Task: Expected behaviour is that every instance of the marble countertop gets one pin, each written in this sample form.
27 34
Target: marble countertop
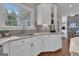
12 38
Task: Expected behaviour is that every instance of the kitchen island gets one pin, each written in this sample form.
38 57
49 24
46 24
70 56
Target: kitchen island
31 45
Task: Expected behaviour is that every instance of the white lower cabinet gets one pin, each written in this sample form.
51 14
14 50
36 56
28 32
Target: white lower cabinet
48 43
32 46
22 50
26 47
51 42
36 45
21 47
58 43
6 47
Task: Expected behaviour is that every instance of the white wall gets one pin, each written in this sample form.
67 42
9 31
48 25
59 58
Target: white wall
60 23
2 15
64 23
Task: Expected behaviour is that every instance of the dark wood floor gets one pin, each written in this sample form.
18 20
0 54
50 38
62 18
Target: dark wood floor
64 51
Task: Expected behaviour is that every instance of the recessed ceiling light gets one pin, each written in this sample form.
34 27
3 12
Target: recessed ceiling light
70 6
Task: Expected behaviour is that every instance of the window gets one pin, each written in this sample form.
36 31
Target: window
12 14
28 23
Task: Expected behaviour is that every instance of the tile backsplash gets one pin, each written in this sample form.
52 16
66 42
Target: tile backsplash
39 28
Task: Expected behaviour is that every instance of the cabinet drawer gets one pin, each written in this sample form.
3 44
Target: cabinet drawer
20 42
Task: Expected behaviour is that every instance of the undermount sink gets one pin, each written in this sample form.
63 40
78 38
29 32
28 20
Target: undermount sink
21 35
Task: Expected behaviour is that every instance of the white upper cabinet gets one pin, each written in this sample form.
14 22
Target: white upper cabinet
47 14
44 14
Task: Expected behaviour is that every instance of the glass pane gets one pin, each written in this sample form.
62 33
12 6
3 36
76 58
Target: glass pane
12 13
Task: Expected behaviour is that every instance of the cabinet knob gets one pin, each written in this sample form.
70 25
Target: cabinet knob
32 44
22 41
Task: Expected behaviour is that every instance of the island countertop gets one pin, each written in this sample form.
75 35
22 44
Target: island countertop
12 38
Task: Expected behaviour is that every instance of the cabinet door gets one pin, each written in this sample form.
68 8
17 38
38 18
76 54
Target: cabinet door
58 41
44 14
51 42
5 48
22 50
37 45
48 43
20 47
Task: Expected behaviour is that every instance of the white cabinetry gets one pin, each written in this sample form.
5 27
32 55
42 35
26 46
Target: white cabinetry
33 46
26 47
43 14
48 43
22 50
6 48
36 45
47 14
51 42
58 41
21 47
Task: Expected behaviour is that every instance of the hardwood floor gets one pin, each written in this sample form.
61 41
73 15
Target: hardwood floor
64 51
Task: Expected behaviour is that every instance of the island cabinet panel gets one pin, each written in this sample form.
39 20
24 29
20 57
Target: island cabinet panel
58 41
48 43
22 50
36 45
33 45
6 48
51 42
21 47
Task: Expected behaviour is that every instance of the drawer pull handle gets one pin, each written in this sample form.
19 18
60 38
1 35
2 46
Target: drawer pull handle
22 41
32 45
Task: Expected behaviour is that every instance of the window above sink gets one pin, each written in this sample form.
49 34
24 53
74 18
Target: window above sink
13 15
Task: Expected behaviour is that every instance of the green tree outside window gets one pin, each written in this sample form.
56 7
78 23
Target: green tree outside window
11 19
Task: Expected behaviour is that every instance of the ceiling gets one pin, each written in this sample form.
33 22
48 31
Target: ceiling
31 5
63 8
67 8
